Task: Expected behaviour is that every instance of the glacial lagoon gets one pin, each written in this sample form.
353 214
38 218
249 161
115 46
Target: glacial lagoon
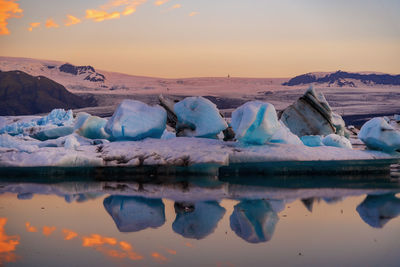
52 219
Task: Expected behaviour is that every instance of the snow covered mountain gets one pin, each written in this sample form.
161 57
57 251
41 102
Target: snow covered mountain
344 79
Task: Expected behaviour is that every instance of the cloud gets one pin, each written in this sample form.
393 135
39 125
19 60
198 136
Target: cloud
100 15
158 257
47 230
33 25
68 234
194 13
105 13
8 244
51 24
8 9
30 228
72 20
160 2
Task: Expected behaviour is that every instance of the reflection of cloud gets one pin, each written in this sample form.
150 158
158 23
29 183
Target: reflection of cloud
30 228
192 14
8 9
158 257
33 25
160 2
68 234
51 24
7 244
376 211
254 220
171 251
72 20
197 220
132 214
106 246
47 230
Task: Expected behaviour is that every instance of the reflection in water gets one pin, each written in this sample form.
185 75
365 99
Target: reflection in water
69 234
309 203
377 210
197 220
30 228
48 230
132 214
254 220
7 244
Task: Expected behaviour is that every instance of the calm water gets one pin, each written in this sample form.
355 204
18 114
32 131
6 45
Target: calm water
202 221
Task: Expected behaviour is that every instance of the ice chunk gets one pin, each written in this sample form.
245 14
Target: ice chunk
53 133
132 214
397 117
312 140
90 126
376 211
337 141
57 117
254 220
199 116
134 120
255 122
312 115
197 220
71 142
378 134
168 135
19 144
284 136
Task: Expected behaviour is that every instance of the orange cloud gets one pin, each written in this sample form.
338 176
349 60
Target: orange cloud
171 251
8 9
189 245
33 25
47 230
176 6
72 20
68 234
30 228
97 240
100 15
194 13
7 244
160 2
158 257
51 24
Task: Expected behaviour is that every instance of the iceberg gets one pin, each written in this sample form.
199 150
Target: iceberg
8 141
255 122
53 133
337 141
284 136
135 120
376 211
312 115
377 134
254 220
71 142
197 220
198 117
133 214
312 140
91 127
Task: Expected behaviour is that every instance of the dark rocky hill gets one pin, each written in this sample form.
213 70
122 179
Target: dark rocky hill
23 94
342 78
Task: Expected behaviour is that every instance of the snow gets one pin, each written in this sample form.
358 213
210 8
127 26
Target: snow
254 220
337 141
199 222
133 214
91 126
201 115
378 134
312 140
135 120
255 122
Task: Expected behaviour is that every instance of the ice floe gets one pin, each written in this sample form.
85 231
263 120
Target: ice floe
378 134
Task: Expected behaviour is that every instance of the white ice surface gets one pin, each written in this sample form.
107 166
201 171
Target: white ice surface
337 141
377 133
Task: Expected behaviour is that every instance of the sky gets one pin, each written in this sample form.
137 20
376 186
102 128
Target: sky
199 38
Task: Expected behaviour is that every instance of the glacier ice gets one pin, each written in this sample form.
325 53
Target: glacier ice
198 117
376 211
135 120
53 132
397 117
8 141
312 115
312 140
284 136
198 221
255 122
337 141
91 127
71 142
378 134
132 214
254 220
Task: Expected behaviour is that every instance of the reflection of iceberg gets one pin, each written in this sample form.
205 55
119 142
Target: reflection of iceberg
132 214
254 220
378 210
197 220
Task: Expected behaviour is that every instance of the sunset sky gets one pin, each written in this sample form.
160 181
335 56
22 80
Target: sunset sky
188 38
